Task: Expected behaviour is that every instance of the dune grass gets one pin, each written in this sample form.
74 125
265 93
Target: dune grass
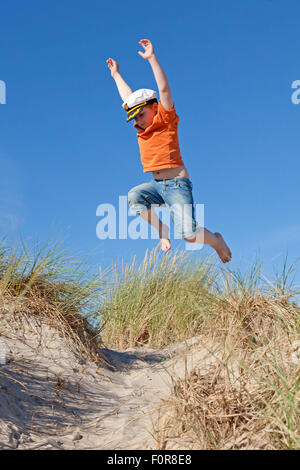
54 286
163 300
172 298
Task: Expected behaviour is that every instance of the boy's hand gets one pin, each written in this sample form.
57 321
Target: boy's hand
113 66
149 50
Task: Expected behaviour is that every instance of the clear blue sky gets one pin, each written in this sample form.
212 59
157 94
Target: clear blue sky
65 146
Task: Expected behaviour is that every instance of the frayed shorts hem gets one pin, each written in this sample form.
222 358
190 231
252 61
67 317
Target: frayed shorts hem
189 234
137 208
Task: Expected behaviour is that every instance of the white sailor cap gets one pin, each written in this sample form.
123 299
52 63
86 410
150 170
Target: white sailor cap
135 102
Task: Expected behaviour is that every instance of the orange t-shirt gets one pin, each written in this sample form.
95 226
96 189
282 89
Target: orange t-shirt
158 143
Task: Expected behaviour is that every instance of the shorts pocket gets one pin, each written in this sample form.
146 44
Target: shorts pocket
185 183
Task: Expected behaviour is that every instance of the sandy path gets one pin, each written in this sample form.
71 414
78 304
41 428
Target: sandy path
49 398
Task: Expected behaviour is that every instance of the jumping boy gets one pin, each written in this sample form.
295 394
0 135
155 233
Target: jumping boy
157 123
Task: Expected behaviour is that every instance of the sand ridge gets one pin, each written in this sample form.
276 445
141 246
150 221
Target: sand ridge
50 398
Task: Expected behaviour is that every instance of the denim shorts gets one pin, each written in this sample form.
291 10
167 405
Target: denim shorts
174 193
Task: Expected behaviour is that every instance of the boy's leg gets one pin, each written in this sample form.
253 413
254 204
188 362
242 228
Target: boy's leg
215 240
203 236
180 199
151 217
140 199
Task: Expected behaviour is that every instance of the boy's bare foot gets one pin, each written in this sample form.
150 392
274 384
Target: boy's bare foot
165 244
222 249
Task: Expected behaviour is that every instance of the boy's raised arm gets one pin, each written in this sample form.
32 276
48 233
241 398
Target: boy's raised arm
159 75
122 86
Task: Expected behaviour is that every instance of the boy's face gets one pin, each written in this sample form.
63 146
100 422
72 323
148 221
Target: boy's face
145 118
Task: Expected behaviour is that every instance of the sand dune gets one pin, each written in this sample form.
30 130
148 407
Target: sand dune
50 397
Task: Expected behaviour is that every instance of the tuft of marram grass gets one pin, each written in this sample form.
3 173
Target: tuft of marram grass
260 409
172 298
164 300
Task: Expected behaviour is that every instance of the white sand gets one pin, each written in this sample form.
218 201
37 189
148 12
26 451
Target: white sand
49 398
